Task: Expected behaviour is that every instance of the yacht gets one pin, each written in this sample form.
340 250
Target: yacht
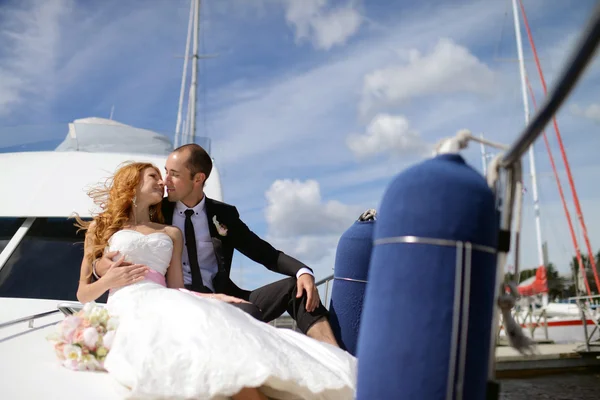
41 250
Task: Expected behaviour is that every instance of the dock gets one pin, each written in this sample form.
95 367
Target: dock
549 359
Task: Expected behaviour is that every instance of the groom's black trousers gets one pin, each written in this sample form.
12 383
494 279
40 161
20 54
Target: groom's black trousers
271 301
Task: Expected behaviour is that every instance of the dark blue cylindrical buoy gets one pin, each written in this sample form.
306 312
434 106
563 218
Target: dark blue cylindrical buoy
426 322
350 277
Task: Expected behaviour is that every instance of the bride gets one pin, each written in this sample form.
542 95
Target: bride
172 343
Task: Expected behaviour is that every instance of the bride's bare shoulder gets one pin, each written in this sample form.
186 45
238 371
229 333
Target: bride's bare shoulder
173 231
162 228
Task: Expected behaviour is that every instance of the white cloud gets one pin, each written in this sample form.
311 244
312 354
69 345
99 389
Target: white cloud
293 111
326 28
295 123
308 249
296 208
387 133
449 68
30 36
591 112
59 56
301 223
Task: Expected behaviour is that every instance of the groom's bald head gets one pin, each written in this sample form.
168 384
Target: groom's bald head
196 159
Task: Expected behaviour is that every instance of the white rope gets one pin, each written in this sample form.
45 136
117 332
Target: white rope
514 332
493 171
369 215
461 141
507 300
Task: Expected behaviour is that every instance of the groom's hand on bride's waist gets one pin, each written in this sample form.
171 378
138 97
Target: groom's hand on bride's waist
101 266
119 275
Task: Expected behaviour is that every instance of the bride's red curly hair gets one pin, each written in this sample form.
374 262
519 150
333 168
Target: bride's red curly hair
115 199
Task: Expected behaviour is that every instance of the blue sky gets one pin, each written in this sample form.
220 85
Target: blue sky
313 105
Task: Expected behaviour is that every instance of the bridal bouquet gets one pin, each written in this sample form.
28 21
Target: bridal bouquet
83 340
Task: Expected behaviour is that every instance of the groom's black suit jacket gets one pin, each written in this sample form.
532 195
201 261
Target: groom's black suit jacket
239 237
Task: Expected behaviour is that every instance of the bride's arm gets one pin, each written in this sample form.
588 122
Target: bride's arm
174 275
116 276
88 291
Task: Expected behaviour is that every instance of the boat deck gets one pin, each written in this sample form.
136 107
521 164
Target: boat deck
30 368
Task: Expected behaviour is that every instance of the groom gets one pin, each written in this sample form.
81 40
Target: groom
212 230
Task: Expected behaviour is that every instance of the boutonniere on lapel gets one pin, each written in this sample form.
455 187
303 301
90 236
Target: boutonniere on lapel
222 229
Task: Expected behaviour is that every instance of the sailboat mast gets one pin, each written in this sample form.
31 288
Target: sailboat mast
536 204
178 132
193 89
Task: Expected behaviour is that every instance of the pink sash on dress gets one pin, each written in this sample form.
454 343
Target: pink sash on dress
159 278
156 277
152 276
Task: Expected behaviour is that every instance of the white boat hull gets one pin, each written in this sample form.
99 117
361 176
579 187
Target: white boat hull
567 329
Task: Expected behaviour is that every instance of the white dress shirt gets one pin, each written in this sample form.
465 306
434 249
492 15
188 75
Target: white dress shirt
206 252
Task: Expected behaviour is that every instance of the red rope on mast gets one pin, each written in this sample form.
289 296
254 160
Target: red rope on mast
564 155
562 198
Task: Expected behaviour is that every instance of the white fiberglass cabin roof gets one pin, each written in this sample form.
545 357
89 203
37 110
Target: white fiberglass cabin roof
55 184
102 135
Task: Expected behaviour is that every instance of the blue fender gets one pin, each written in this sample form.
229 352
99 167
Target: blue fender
426 323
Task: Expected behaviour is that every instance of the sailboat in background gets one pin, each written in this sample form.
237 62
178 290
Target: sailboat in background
559 322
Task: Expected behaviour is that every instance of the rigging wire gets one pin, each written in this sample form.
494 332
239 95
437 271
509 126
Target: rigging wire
499 43
561 192
578 61
594 30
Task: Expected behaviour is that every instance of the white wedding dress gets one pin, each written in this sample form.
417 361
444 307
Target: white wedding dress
173 344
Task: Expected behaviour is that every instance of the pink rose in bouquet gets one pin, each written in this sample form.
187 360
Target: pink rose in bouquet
82 341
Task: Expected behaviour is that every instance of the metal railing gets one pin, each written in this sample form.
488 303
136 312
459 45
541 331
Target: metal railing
30 319
584 304
64 307
596 296
279 322
533 325
325 281
540 321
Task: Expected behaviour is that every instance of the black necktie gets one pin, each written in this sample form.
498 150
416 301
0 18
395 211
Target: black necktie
190 244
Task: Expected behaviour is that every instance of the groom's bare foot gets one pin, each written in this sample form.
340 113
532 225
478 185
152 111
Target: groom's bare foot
249 394
321 331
